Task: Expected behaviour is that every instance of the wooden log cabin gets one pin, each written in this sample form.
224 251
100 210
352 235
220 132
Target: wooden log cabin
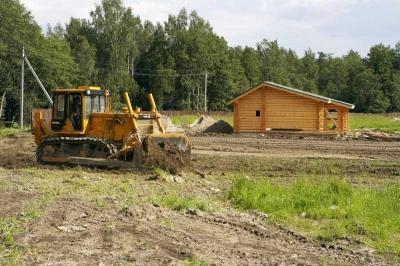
274 107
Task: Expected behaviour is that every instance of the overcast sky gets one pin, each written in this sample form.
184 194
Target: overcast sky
332 26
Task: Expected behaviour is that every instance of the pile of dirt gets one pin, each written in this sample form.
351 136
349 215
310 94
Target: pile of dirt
169 126
368 134
220 127
207 124
201 124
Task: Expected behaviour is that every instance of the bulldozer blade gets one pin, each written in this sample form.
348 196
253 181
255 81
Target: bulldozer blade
169 151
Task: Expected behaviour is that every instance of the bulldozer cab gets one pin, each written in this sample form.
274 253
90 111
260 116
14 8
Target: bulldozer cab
72 107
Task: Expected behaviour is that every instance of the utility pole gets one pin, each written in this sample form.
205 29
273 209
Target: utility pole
38 81
21 121
2 104
205 91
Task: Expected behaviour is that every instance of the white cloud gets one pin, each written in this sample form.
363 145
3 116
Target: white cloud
334 26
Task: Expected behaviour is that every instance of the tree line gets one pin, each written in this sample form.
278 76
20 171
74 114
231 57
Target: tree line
117 50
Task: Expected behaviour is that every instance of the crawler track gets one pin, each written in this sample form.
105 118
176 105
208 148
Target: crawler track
60 149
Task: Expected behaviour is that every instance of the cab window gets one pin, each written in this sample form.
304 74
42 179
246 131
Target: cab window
59 107
102 103
88 105
94 104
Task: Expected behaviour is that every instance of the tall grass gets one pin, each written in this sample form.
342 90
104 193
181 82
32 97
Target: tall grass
375 121
328 209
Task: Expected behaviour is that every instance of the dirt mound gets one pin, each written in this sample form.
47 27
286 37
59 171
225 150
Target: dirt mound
207 124
201 124
17 151
169 126
220 127
171 154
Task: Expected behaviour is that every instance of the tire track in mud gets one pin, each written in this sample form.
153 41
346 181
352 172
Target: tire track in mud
72 230
274 245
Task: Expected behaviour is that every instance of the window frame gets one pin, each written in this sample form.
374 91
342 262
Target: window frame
56 106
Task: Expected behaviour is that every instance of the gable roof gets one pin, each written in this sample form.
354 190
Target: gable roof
295 91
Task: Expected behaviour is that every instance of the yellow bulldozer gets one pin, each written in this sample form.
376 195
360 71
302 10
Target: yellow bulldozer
81 128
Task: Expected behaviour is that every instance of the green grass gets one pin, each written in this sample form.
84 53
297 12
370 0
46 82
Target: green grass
183 120
4 132
327 208
11 227
375 121
194 261
177 202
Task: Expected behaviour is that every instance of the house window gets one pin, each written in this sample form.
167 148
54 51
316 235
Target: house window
333 113
258 113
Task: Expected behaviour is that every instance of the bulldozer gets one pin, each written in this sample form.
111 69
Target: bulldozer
82 129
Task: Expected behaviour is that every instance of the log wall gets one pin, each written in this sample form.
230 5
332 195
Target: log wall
287 111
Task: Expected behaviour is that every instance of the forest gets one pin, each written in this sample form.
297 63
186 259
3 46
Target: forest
117 50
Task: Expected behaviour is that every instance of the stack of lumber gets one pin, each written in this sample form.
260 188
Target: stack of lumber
375 135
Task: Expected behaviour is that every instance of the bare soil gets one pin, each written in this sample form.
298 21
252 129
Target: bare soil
256 146
72 231
12 201
17 151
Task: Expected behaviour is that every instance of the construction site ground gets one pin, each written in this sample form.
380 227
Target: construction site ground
61 215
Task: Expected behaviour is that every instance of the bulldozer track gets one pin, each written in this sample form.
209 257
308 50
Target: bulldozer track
52 141
252 229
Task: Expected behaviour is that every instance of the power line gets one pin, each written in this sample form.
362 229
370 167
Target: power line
168 75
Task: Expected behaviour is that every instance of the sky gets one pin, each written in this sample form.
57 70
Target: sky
331 26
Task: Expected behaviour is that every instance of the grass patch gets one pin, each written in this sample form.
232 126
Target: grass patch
194 261
11 227
178 203
183 120
327 209
5 132
375 121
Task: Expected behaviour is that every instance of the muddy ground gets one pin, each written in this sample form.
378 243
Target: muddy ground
73 228
19 151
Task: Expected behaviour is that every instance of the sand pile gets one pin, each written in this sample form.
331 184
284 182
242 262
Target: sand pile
169 126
